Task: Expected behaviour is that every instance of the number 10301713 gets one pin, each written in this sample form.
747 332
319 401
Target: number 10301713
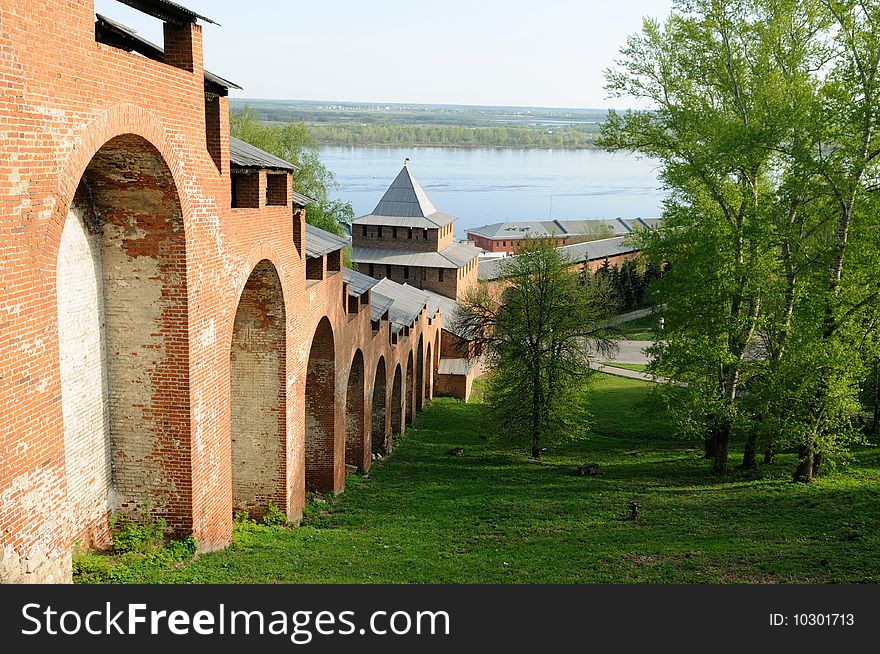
812 620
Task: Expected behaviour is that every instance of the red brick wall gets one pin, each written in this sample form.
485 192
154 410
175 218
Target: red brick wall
258 376
136 129
399 238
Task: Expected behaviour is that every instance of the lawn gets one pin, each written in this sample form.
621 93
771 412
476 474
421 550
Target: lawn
493 516
640 329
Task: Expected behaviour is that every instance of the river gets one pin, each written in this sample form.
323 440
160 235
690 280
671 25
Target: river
480 186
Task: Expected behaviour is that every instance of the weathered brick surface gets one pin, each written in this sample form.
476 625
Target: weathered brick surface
135 312
258 394
402 238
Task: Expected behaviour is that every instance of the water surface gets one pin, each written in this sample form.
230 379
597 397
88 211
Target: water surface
481 186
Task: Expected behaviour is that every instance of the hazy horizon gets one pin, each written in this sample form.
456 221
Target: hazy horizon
415 103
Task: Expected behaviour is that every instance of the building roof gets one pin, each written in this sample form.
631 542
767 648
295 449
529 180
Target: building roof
301 200
579 252
168 11
405 204
452 256
245 155
379 304
454 366
514 230
358 283
446 305
320 242
489 269
596 250
408 302
121 36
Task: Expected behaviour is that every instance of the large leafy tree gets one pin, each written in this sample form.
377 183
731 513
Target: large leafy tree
292 143
765 123
711 129
537 337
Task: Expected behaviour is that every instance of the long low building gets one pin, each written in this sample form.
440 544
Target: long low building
592 253
506 237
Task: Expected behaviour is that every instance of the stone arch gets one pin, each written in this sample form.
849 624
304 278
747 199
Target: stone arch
409 390
397 402
379 430
355 415
420 373
429 374
320 433
121 294
121 120
258 394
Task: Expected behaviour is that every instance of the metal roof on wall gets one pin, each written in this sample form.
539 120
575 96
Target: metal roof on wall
301 200
245 155
515 230
595 250
379 304
168 11
320 242
121 36
452 256
358 283
446 305
579 252
408 301
433 221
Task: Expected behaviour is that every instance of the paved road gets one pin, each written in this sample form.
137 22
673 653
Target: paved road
630 352
632 315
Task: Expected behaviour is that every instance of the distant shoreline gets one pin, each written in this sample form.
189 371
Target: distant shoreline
451 146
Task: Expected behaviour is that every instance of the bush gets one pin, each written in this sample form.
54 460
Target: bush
131 536
274 516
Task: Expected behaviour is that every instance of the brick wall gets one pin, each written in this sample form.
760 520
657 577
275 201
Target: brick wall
258 394
380 423
397 402
420 374
397 238
355 428
173 265
84 384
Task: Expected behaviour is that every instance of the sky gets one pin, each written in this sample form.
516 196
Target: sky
541 53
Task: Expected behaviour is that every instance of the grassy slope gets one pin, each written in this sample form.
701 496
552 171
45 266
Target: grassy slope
493 516
640 329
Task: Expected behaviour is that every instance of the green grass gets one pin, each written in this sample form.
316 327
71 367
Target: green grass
640 329
493 516
639 367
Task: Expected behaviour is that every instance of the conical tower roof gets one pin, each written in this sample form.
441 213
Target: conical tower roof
405 198
405 204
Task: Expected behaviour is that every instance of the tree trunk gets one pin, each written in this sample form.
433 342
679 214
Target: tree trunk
769 455
722 448
710 442
804 471
750 459
876 424
536 416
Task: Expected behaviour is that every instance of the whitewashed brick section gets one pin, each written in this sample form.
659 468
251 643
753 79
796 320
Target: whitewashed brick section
84 386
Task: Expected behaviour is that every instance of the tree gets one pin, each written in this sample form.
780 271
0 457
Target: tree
766 126
292 143
711 130
537 338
